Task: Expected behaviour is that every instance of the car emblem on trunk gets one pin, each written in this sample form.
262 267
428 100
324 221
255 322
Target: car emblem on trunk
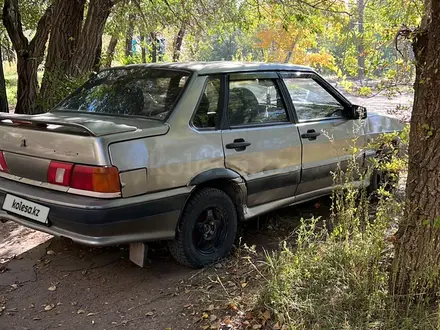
23 143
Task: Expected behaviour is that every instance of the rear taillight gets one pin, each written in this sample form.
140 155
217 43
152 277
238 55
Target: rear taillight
59 173
90 178
3 165
98 179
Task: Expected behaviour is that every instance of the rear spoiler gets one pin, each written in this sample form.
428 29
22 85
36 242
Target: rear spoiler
33 122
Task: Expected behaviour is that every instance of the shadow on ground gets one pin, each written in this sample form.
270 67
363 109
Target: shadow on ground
59 284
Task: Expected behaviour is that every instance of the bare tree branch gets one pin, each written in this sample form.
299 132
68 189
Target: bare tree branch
12 23
38 42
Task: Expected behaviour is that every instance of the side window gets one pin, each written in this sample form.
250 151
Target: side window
208 108
255 101
311 100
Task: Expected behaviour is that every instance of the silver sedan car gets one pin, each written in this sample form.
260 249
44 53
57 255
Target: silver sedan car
179 152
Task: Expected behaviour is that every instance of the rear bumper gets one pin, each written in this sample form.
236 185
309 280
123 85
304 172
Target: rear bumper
101 222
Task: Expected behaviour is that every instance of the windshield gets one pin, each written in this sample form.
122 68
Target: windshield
128 91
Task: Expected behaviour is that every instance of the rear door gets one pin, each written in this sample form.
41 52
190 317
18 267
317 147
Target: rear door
328 136
259 138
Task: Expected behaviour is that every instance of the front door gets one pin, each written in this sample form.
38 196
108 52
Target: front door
260 141
327 134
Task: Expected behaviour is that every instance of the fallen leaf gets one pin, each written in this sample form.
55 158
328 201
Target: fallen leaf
80 311
52 288
50 252
276 326
210 308
243 285
149 314
36 319
14 286
91 314
256 326
266 315
212 318
233 306
205 315
49 307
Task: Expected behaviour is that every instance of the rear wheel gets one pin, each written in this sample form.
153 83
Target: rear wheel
207 229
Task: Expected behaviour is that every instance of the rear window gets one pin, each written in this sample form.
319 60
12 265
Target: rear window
129 91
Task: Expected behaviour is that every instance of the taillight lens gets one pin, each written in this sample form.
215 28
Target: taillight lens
90 178
59 173
3 165
98 179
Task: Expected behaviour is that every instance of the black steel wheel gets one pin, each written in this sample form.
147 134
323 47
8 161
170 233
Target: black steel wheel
207 229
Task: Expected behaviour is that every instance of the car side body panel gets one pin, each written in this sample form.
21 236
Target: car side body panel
332 148
271 165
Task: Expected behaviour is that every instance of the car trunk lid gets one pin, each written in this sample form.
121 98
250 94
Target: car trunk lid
30 143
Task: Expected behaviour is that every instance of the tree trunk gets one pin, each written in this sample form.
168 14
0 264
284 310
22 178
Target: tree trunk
360 41
29 54
144 52
3 96
66 28
110 52
292 48
27 86
417 250
178 44
153 47
129 36
89 39
98 56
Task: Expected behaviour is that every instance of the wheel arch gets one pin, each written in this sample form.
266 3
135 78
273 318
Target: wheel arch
212 175
223 179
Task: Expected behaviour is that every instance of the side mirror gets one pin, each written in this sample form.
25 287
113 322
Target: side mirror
358 112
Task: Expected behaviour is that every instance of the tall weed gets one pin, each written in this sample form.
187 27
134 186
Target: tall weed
337 273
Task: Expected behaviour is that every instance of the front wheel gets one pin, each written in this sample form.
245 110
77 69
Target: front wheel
382 179
206 230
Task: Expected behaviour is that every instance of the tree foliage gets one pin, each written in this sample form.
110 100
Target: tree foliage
353 38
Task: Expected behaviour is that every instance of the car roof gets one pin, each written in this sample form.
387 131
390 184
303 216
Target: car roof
204 68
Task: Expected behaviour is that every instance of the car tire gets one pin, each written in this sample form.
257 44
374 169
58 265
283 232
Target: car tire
206 230
386 180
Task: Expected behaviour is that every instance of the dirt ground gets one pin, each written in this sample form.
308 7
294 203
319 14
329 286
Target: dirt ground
59 284
52 283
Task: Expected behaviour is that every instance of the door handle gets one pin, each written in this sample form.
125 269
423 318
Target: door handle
311 135
238 145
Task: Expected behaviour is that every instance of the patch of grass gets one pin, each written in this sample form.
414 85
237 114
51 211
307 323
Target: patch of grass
337 275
